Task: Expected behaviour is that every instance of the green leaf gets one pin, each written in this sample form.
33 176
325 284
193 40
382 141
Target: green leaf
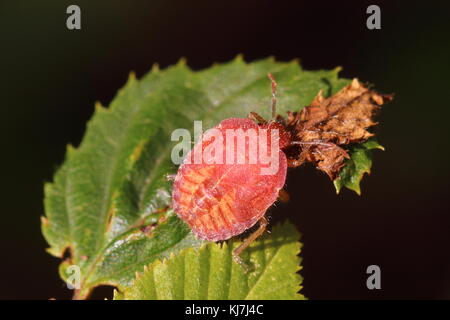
360 162
210 272
114 183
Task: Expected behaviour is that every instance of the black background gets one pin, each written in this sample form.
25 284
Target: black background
50 78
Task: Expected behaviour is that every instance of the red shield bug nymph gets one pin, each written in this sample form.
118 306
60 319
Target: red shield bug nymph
219 201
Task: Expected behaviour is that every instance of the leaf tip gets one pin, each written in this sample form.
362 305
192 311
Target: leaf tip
337 70
239 58
44 221
70 149
132 76
182 62
55 252
337 185
155 68
117 295
99 107
271 58
355 84
296 61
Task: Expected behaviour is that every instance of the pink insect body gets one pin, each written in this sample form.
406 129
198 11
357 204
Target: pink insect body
219 201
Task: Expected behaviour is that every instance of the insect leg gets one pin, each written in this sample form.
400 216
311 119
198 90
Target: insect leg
325 144
170 177
257 118
143 220
262 227
283 196
315 143
294 163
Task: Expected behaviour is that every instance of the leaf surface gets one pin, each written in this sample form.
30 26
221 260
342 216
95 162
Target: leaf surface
210 272
360 162
106 202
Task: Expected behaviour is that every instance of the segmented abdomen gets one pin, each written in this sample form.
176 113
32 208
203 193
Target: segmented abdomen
219 201
201 199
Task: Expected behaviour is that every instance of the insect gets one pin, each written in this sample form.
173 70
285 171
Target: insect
219 201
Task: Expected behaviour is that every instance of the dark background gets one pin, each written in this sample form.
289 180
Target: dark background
50 78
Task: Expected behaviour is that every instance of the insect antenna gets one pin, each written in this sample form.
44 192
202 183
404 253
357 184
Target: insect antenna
322 143
274 96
